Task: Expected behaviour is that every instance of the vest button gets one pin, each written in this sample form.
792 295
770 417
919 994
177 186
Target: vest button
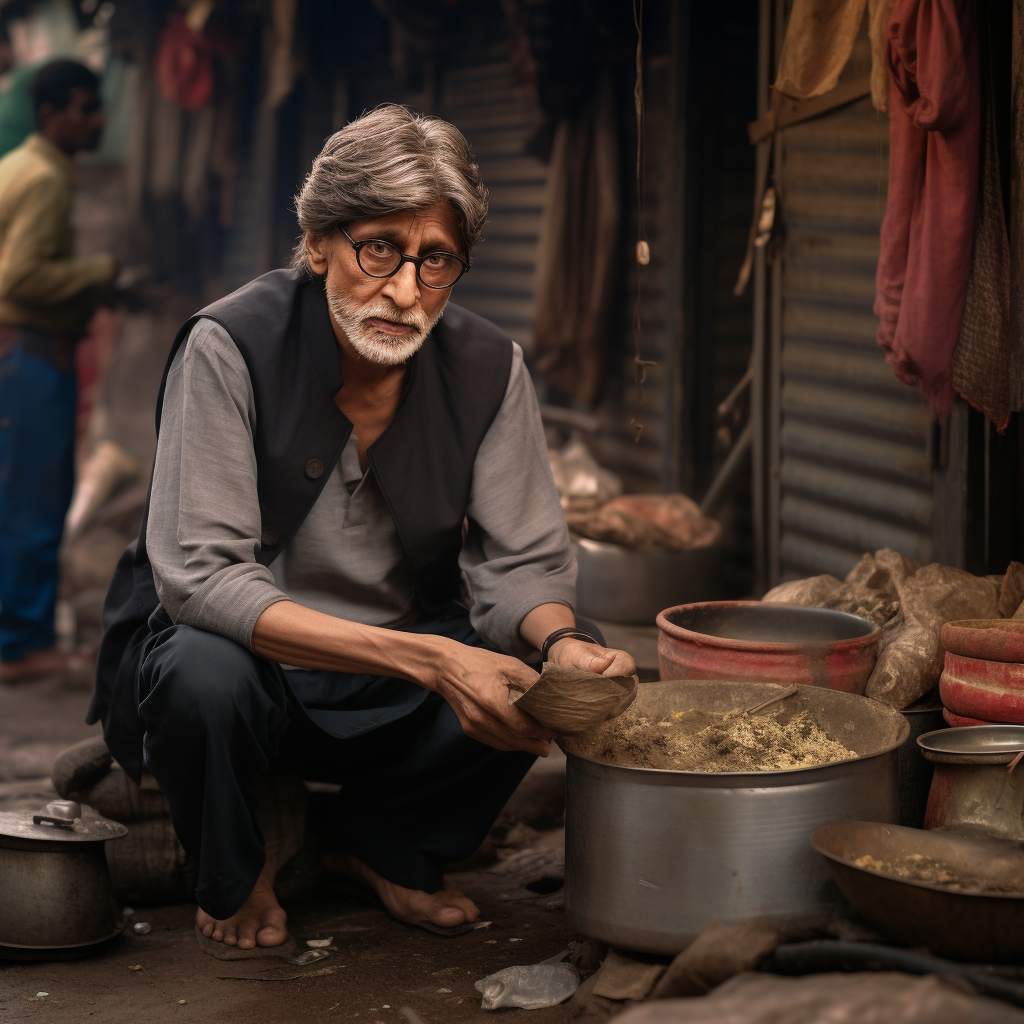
314 469
269 538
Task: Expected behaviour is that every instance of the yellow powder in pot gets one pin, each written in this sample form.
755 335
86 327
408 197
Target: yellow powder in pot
700 741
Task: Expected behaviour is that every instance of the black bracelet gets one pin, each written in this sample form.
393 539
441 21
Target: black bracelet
561 634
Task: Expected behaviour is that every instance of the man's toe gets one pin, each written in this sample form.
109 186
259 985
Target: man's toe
270 935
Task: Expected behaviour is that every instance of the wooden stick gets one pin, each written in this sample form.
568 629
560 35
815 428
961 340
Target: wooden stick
1016 761
771 700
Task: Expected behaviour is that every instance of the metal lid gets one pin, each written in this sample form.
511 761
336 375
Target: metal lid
973 744
60 821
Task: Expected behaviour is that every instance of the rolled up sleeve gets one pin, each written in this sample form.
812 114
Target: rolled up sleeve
204 520
517 554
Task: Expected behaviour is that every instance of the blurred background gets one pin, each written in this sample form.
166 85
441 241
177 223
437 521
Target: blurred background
774 408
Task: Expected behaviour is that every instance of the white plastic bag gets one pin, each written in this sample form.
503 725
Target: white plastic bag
529 988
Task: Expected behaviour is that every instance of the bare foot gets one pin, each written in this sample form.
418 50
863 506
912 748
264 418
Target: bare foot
447 908
259 922
37 663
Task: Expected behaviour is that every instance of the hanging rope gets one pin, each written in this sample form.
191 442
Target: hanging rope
643 250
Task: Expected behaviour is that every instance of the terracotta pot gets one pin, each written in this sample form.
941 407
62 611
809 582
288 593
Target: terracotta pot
768 643
990 639
959 722
992 691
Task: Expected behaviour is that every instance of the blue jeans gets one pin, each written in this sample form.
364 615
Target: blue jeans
37 447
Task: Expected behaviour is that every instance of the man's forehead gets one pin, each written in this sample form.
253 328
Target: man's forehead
437 223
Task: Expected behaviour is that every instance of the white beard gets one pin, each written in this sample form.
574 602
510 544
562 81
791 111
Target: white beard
377 346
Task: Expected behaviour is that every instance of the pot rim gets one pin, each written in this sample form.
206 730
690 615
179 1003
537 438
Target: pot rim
773 774
670 629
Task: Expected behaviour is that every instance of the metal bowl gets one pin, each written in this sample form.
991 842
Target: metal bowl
620 584
654 856
975 926
974 744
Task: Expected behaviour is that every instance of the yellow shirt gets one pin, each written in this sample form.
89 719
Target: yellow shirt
42 283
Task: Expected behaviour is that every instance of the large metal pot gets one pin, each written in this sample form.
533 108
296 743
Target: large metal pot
653 856
781 643
56 896
629 585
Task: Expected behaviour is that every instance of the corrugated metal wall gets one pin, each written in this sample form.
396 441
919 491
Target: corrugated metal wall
485 105
850 466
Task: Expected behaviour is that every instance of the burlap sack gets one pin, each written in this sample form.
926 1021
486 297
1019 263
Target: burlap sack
911 604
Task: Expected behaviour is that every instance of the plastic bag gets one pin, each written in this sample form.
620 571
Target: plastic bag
529 988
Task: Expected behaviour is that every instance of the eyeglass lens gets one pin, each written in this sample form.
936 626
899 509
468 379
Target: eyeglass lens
438 269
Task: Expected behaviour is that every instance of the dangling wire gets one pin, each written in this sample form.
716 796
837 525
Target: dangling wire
643 250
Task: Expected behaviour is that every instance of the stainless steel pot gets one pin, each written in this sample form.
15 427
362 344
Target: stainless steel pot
653 856
620 584
56 896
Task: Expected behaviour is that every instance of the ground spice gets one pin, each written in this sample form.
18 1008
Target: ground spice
919 868
702 741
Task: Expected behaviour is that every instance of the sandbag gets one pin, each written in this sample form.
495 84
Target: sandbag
911 604
910 654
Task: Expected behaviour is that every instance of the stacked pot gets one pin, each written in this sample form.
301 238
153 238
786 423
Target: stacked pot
982 681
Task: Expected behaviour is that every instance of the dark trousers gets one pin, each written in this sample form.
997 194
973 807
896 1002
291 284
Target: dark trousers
37 446
417 793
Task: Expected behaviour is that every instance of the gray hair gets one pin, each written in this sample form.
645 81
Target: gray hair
388 160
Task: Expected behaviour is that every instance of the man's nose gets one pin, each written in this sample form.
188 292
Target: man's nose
403 288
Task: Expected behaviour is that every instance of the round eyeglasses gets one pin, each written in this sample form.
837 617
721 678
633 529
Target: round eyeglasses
377 258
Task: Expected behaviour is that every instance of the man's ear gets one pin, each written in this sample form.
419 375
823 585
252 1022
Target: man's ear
44 113
317 247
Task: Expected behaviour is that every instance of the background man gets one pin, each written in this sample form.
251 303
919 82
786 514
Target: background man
47 295
354 535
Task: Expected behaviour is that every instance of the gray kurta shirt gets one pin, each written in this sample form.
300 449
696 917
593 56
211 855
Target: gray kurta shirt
345 559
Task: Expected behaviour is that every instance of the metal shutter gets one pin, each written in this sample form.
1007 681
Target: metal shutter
851 467
485 105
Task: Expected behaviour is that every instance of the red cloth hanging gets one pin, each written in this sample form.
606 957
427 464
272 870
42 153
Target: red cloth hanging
934 154
184 65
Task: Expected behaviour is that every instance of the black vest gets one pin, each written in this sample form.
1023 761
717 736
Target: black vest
423 462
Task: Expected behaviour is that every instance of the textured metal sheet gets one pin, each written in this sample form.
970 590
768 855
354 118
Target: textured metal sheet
853 463
484 103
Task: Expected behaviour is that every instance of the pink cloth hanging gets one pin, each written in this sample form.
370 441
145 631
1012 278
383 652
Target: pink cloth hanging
934 153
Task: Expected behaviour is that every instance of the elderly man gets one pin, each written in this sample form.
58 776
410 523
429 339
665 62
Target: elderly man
354 538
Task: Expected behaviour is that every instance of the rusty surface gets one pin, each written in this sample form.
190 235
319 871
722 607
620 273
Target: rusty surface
814 645
992 691
991 639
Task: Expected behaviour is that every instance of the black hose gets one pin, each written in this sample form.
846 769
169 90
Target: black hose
822 955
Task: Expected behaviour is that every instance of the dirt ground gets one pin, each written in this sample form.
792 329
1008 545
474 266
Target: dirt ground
379 966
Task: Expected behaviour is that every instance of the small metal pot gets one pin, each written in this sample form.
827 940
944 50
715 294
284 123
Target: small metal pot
654 856
56 896
631 586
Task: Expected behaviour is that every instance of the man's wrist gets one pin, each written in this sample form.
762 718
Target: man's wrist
558 636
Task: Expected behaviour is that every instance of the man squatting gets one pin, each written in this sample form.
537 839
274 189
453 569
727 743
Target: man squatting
352 539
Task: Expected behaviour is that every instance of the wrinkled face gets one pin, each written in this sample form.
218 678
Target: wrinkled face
79 125
386 320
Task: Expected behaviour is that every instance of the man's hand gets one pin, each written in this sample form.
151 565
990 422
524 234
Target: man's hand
570 653
475 682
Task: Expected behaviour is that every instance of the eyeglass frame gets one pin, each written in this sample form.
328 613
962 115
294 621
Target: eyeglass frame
416 261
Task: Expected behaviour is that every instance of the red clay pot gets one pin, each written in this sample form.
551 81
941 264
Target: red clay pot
958 721
770 643
992 691
990 639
